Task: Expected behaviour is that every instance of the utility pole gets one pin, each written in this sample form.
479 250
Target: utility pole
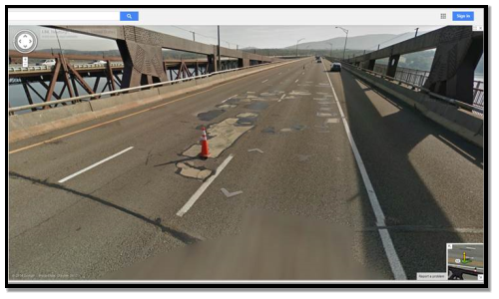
346 38
218 49
415 35
297 46
331 50
193 36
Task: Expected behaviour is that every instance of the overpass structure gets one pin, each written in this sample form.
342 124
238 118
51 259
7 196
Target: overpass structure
458 50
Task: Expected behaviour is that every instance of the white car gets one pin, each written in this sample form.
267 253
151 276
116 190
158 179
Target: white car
99 62
48 62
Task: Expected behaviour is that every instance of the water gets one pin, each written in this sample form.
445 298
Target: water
17 96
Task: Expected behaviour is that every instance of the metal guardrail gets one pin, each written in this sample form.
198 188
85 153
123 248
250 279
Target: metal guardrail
126 90
418 78
51 67
425 90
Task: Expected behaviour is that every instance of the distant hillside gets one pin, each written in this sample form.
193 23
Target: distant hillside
363 42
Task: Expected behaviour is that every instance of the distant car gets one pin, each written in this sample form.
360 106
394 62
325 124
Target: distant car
99 62
48 62
318 60
336 67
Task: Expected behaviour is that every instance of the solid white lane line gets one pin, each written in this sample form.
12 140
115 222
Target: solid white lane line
282 97
265 80
94 165
391 253
203 187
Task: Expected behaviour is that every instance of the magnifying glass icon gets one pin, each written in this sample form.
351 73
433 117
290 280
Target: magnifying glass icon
129 15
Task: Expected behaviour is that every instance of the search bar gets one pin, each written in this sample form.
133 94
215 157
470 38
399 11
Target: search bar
64 16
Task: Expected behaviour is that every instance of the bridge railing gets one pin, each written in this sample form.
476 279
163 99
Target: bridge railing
418 78
90 97
51 67
474 108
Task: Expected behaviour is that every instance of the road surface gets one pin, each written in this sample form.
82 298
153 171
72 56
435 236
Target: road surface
117 192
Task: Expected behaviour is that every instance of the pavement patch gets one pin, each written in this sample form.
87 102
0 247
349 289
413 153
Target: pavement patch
257 106
267 94
246 119
189 170
226 106
324 94
232 101
220 136
300 93
210 115
269 130
332 121
296 127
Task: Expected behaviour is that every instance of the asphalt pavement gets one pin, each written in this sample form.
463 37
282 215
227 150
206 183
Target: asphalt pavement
107 198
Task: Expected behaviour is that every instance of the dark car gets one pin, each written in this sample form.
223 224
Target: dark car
336 67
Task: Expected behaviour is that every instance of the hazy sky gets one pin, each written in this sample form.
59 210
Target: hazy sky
244 36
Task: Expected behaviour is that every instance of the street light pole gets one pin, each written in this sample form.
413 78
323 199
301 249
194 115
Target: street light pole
346 38
416 35
297 46
218 49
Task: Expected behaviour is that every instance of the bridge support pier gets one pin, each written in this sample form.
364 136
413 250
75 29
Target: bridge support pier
140 61
370 65
393 61
243 62
212 63
453 67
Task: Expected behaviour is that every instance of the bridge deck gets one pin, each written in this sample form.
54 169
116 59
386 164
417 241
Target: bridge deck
295 160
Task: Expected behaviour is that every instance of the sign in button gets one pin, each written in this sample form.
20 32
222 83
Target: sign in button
463 16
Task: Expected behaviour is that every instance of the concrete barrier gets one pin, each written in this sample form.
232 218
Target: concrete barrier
463 123
31 124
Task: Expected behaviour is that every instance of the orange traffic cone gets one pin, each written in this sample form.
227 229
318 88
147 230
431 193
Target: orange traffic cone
205 153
